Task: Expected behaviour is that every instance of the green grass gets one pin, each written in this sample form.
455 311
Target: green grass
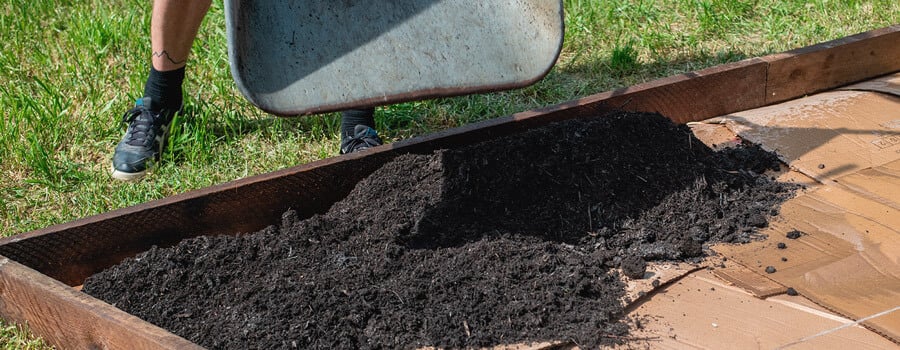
69 68
14 337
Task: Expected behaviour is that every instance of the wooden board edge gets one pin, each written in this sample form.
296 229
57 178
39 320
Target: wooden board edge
832 64
686 97
69 319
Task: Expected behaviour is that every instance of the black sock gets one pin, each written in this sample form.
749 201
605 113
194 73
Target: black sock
164 89
353 117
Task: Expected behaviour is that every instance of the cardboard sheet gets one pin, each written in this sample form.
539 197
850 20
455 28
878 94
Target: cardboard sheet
751 282
703 312
661 273
889 84
714 134
847 259
879 184
827 135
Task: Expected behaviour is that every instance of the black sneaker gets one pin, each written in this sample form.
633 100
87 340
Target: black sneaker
363 138
143 142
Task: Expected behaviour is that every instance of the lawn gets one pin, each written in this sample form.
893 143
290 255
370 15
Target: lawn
69 69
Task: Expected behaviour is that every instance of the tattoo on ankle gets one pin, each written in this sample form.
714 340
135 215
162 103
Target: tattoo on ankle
165 54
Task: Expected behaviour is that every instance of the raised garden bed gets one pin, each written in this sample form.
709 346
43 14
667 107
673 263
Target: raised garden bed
511 240
43 264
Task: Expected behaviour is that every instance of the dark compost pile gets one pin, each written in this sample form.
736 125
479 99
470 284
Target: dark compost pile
513 240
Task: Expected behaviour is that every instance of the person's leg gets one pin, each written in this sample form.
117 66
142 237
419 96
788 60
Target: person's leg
358 130
173 28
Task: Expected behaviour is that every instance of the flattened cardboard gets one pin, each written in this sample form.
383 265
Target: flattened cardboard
815 249
756 284
889 84
702 312
879 184
714 134
662 273
827 135
848 258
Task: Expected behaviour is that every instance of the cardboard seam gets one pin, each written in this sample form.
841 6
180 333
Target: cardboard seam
729 287
854 87
854 323
809 310
656 290
862 322
762 296
864 89
865 193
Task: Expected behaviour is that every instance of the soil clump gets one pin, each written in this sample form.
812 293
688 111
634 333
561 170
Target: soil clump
516 239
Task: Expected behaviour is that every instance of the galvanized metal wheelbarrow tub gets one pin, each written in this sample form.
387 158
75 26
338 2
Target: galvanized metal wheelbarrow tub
293 58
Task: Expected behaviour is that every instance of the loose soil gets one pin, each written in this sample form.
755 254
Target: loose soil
513 240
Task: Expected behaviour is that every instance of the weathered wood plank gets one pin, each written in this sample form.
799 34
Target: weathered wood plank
832 64
69 319
697 95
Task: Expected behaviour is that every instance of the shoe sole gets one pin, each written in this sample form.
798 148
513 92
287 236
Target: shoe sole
121 175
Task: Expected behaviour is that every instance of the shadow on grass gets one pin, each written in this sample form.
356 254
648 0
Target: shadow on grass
202 127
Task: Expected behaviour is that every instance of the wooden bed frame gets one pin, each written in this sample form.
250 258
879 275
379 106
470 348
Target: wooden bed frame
38 269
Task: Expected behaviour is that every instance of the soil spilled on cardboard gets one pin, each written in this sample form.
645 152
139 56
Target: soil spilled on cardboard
513 240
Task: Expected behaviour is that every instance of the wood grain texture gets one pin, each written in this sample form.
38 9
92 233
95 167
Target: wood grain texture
832 64
683 98
69 319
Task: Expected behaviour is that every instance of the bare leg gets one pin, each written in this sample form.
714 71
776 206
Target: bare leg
173 27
